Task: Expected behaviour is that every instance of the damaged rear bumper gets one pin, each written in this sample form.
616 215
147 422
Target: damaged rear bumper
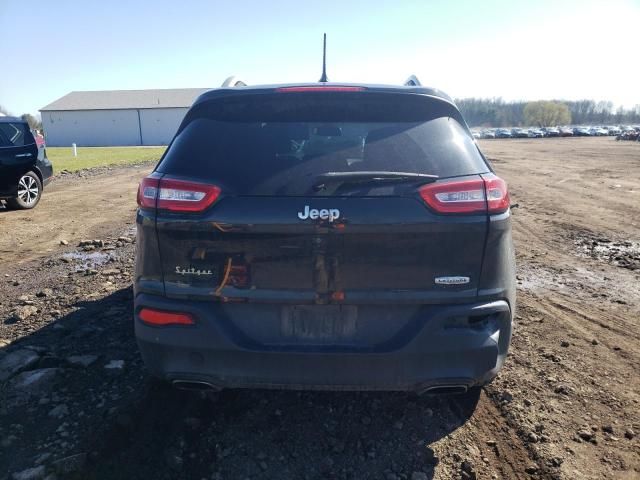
460 346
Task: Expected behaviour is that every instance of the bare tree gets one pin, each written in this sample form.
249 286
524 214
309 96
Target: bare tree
33 121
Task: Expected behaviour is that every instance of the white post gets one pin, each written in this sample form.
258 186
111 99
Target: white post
74 149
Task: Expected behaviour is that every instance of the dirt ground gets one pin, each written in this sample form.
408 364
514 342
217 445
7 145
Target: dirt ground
75 401
73 207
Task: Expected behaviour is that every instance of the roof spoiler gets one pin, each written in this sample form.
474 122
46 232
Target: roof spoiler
233 81
412 81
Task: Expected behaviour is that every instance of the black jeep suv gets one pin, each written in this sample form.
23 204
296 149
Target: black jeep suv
324 236
24 167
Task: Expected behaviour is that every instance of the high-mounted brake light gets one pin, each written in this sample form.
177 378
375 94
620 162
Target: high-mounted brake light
320 88
486 194
151 316
176 195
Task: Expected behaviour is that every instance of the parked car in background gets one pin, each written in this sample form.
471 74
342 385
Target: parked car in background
551 131
488 134
24 167
565 131
628 133
519 133
536 133
598 132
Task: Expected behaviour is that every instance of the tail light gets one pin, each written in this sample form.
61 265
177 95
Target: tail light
486 194
161 318
498 200
148 191
176 195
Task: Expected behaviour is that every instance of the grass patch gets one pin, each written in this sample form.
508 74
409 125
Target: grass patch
89 157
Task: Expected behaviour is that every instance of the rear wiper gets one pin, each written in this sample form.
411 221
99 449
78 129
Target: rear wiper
329 178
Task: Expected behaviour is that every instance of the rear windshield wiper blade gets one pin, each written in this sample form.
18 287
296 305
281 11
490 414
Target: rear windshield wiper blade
322 180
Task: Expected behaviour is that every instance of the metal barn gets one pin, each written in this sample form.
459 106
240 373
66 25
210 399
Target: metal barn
117 117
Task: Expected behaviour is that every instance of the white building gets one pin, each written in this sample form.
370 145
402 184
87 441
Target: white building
117 117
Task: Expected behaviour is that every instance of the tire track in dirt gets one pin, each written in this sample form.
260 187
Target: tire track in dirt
601 319
510 456
555 392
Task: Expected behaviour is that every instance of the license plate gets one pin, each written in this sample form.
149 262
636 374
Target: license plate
319 322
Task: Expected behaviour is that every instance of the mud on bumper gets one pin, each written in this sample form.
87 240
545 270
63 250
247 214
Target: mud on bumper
441 345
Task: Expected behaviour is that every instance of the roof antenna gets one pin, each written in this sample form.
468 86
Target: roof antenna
324 78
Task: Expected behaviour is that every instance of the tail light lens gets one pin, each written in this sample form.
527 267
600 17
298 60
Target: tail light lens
486 194
161 318
498 200
464 196
148 191
176 195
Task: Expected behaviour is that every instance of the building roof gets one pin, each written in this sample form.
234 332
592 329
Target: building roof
126 99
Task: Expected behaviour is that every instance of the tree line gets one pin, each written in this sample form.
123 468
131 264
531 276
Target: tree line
496 112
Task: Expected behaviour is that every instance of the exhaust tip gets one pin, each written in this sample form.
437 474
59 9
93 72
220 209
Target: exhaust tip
195 385
445 390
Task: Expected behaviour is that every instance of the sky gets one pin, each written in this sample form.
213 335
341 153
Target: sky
543 49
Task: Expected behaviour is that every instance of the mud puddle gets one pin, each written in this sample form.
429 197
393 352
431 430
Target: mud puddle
621 253
87 260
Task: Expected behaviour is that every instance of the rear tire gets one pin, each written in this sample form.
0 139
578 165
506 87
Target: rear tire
29 192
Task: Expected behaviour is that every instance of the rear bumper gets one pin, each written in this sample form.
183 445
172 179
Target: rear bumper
46 172
435 349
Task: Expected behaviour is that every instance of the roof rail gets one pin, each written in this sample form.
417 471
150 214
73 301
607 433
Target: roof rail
233 81
412 81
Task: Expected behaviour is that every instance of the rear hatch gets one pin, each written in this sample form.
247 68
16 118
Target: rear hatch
301 218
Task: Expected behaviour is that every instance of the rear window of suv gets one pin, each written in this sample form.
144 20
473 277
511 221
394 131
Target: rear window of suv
277 144
14 134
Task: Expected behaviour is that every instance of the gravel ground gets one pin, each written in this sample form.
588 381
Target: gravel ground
75 400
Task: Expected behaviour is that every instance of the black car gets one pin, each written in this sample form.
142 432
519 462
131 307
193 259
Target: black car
519 133
551 131
581 132
324 236
24 167
503 133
